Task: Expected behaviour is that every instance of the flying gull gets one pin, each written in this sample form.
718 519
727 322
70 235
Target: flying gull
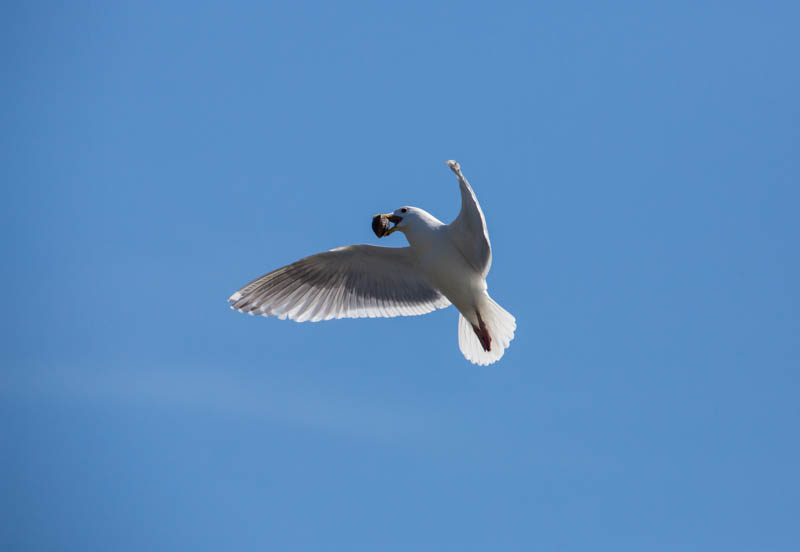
444 264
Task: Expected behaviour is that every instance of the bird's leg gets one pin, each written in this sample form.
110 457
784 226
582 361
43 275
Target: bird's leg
483 333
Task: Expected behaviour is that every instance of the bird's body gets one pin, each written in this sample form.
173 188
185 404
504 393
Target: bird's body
443 264
446 268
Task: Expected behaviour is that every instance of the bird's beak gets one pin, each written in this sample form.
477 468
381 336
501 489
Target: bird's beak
394 219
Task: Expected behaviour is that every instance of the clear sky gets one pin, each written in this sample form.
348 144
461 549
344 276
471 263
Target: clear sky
638 164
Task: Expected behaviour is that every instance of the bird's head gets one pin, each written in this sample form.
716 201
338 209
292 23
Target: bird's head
402 218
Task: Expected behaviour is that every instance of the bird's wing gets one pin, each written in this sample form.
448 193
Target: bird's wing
468 230
356 281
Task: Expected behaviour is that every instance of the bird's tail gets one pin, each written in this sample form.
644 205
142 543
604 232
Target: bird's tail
485 342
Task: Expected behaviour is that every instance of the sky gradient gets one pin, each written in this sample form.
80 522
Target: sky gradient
638 166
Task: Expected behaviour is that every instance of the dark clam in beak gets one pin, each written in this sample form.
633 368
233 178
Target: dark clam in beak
380 224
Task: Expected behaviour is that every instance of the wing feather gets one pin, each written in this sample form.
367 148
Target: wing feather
468 230
356 281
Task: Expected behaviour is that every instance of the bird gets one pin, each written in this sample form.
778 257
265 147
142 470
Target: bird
443 264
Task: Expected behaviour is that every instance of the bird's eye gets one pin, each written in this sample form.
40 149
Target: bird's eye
403 210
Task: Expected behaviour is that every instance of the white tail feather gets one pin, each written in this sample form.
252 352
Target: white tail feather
501 325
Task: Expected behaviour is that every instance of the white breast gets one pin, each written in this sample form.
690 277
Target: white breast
448 270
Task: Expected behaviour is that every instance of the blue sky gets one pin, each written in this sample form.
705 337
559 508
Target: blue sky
638 166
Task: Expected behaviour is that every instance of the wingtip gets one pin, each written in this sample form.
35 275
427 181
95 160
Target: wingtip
235 297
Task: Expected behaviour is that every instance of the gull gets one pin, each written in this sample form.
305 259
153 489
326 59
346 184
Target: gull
443 264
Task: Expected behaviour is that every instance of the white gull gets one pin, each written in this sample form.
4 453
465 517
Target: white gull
444 264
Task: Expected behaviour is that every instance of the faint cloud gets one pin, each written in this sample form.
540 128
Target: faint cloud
218 392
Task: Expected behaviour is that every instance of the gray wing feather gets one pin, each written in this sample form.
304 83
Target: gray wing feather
356 281
468 230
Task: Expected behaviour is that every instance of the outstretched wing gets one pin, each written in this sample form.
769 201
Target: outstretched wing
356 281
468 230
